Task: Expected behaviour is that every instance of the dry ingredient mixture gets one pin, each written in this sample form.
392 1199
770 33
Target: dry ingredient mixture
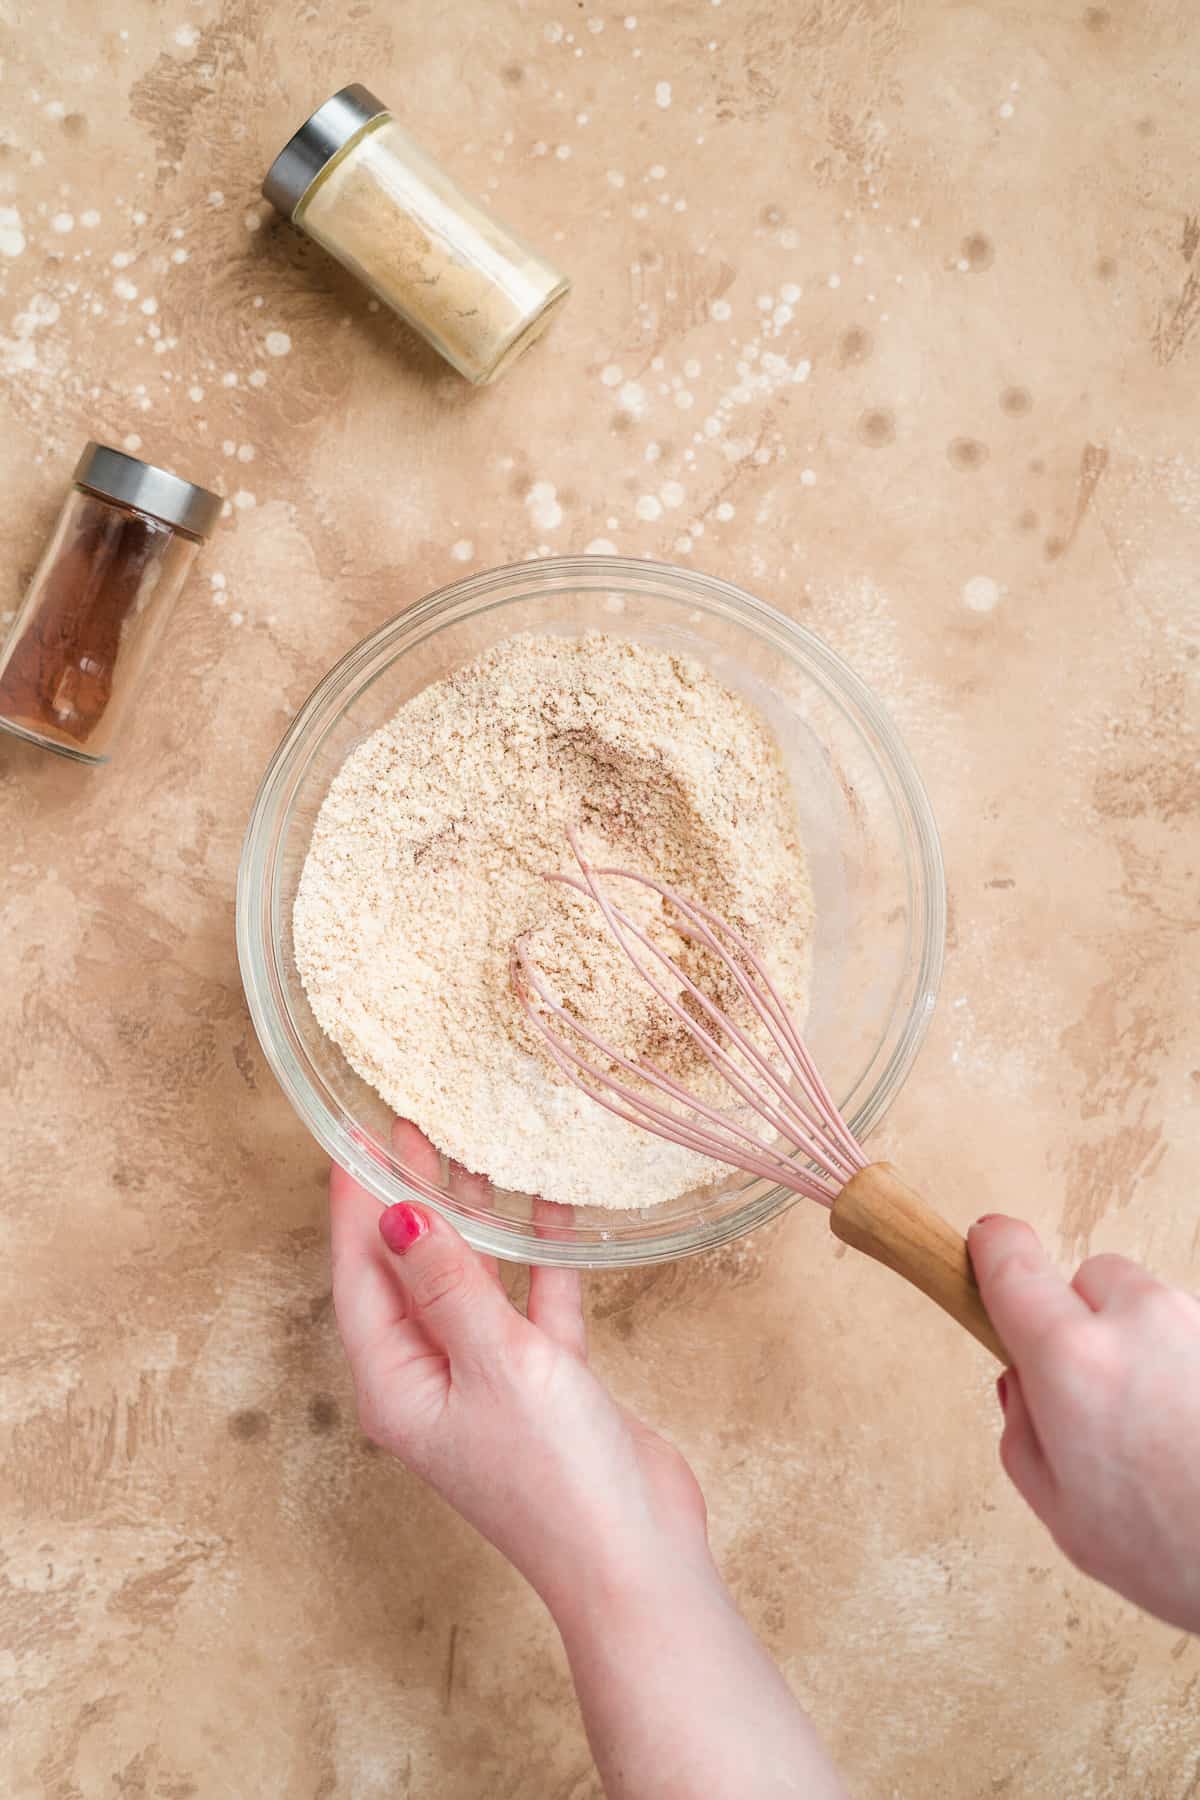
426 864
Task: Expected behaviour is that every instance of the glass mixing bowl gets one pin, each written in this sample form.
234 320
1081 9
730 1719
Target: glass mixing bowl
871 840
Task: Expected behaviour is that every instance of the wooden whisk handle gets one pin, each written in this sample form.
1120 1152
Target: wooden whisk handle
881 1215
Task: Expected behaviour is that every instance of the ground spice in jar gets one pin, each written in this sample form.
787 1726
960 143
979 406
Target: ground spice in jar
120 552
354 180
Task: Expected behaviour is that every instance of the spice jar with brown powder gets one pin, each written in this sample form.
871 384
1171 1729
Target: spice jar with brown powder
354 180
120 552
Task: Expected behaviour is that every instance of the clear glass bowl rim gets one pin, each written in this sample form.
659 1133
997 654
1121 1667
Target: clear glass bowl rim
459 602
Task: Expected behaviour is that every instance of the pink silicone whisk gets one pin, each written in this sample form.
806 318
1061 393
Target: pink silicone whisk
813 1151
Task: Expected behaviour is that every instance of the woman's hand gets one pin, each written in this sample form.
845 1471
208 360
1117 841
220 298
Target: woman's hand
502 1415
1102 1413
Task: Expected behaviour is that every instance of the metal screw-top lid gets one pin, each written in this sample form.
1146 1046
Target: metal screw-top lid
330 128
131 482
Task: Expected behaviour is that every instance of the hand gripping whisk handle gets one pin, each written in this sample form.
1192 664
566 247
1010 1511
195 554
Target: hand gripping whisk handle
881 1215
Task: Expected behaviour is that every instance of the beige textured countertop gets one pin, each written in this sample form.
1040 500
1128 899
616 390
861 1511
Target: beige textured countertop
974 228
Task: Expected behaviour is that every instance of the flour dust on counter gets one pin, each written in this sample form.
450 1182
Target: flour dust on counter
428 861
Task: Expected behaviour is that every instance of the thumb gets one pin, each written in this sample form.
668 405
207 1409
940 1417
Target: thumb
448 1289
1024 1293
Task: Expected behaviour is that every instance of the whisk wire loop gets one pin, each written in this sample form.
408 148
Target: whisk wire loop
818 1133
600 1085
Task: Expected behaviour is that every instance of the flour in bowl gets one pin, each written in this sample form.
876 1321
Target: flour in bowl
426 865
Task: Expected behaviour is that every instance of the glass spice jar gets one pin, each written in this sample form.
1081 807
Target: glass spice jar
120 552
354 180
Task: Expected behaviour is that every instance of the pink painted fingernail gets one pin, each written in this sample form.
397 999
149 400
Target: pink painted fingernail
401 1225
984 1219
1002 1392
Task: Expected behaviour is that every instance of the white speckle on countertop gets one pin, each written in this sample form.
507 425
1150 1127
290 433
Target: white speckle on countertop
981 593
544 509
12 237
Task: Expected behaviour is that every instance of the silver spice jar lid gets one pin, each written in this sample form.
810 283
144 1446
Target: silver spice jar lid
131 482
331 127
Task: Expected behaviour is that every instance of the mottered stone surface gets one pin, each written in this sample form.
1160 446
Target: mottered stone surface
890 312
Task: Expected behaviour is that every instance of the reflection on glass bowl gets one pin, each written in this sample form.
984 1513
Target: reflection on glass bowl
866 823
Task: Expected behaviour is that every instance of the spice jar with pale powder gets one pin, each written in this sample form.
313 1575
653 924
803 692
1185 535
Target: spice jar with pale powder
79 647
354 180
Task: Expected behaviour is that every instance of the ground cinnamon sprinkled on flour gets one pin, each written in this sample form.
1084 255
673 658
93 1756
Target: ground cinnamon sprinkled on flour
426 864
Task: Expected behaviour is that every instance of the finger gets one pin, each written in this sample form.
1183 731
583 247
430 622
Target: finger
416 1152
421 1158
400 1377
1020 1451
555 1303
474 1191
448 1290
367 1298
555 1306
1105 1281
1024 1294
